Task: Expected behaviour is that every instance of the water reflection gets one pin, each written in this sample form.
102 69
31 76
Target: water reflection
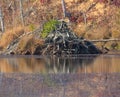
66 64
100 64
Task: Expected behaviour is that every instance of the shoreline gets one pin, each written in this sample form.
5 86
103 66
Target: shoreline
110 53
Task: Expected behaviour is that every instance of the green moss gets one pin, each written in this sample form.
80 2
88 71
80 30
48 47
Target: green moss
48 27
32 27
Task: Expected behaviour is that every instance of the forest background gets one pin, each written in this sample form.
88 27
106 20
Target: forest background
91 19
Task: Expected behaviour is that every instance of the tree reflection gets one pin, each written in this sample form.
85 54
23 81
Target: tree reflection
55 64
66 64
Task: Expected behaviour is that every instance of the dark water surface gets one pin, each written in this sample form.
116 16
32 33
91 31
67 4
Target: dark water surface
52 64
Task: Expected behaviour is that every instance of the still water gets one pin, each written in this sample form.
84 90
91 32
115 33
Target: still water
53 64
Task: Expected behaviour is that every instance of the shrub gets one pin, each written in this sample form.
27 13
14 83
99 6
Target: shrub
32 27
48 27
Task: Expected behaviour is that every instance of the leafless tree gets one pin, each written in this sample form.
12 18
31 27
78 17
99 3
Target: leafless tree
21 12
1 19
64 8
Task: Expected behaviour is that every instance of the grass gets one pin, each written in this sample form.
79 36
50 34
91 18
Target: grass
10 35
32 27
28 43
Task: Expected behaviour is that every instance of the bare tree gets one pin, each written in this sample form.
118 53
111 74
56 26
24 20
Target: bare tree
21 12
1 20
64 8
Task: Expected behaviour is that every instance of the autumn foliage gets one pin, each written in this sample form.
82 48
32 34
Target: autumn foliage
111 2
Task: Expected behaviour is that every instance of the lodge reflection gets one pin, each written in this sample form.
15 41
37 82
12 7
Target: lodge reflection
60 65
43 65
67 64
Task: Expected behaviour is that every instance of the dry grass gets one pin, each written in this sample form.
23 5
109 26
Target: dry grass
91 32
115 33
99 33
9 36
28 44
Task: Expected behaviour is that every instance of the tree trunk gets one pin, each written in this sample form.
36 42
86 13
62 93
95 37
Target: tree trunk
1 20
64 8
85 18
21 13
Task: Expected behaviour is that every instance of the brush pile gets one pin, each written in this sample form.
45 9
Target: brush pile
63 41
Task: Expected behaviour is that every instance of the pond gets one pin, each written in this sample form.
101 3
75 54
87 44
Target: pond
52 76
109 63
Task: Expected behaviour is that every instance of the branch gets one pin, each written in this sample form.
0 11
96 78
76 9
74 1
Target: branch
84 13
30 10
92 5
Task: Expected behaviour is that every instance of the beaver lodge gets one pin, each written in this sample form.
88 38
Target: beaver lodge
63 41
59 41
